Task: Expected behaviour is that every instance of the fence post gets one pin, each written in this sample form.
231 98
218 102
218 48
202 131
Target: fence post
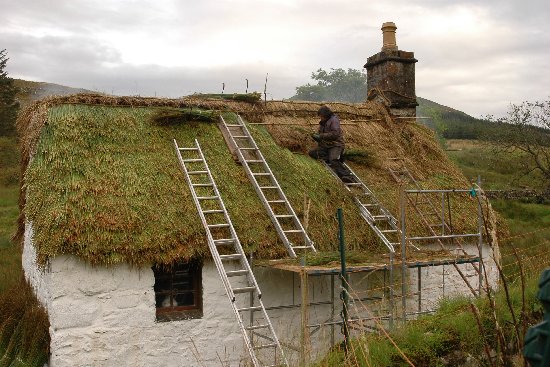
344 278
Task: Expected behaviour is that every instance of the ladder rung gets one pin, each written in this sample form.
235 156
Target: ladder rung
254 161
269 187
389 230
255 327
284 216
254 308
224 241
197 172
380 216
370 205
187 149
192 160
244 290
240 136
247 148
231 257
276 201
263 346
293 231
353 183
300 247
233 125
261 174
236 273
202 185
218 225
212 211
207 197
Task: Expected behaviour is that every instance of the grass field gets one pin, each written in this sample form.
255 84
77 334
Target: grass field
498 170
10 259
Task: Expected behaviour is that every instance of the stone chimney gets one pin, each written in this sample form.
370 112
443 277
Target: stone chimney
390 75
388 37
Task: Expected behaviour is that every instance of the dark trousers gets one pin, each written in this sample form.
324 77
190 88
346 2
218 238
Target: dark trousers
333 157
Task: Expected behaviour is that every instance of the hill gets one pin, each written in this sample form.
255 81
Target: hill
449 123
30 91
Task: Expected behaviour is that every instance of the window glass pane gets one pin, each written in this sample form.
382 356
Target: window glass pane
163 284
185 299
162 300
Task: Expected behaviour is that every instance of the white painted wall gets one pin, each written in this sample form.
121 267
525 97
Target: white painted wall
103 316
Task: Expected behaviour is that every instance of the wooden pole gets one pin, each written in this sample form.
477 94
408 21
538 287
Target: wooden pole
304 342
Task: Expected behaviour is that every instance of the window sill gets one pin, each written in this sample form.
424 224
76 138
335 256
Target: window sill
166 316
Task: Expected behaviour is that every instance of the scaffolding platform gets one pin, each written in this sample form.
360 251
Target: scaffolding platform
365 267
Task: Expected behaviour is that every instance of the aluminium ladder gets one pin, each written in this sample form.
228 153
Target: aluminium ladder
430 213
222 237
286 222
402 174
381 221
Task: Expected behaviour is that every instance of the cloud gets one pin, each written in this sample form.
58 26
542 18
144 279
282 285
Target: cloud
474 56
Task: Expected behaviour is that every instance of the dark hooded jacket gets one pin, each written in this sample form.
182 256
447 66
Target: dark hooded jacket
330 132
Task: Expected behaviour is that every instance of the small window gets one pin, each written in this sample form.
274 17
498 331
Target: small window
178 291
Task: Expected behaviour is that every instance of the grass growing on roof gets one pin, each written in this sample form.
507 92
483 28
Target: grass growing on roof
105 185
300 176
373 146
243 97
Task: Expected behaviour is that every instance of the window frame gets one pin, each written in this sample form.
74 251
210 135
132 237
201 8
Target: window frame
184 312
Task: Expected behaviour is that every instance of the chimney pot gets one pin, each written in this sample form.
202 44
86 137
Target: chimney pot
388 37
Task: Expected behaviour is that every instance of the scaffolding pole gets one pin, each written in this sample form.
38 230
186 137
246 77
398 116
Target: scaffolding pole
480 240
403 255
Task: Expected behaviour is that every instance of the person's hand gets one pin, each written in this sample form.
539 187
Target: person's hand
316 137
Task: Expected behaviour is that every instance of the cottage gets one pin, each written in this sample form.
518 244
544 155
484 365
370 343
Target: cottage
117 254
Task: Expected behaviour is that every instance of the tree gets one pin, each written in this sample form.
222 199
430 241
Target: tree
526 128
8 104
334 85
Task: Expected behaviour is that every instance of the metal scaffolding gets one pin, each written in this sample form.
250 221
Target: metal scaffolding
401 262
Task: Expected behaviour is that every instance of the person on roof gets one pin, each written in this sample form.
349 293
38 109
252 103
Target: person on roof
330 143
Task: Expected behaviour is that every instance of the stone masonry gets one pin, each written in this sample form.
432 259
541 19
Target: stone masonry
391 76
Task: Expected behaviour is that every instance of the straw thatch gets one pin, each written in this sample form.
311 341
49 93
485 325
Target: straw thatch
101 181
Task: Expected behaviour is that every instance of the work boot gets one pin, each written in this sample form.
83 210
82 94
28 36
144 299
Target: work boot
348 179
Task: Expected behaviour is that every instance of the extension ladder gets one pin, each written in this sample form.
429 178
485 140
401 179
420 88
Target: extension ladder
221 235
380 220
434 220
428 214
288 226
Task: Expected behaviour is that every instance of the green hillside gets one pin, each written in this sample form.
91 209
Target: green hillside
449 123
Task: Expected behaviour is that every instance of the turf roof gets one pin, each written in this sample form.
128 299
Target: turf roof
104 183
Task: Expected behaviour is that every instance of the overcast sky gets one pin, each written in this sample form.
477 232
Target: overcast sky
476 56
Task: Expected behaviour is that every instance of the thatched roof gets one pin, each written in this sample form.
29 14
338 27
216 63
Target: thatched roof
101 180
